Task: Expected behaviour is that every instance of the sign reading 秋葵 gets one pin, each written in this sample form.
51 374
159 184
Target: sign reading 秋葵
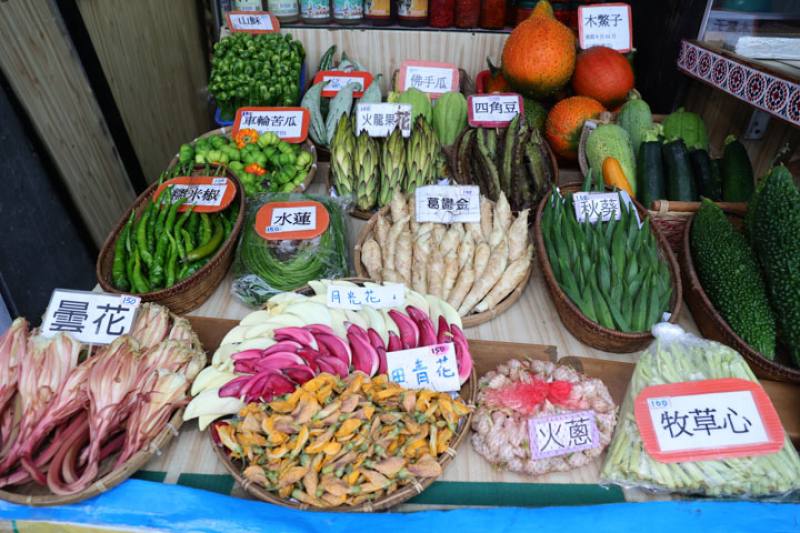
288 123
596 206
494 110
605 25
561 434
337 80
89 317
378 297
428 367
428 76
379 120
448 204
252 22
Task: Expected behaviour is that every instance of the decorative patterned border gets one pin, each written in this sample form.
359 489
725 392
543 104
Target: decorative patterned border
772 94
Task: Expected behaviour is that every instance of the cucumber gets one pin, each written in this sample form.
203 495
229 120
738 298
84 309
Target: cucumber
737 172
680 181
650 173
703 175
716 175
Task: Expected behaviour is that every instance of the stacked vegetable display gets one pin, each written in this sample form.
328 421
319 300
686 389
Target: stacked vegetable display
255 70
612 271
262 163
160 246
68 408
472 266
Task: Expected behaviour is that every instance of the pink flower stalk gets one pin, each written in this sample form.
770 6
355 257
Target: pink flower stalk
151 326
13 345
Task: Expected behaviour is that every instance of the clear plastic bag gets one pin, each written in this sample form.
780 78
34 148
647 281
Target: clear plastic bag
264 267
677 357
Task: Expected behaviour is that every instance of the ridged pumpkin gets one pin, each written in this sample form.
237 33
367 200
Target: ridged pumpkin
603 74
539 55
565 121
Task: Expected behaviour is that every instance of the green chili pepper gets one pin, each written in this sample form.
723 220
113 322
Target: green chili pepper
209 247
172 260
138 279
173 212
194 222
152 217
157 270
118 276
205 229
187 241
141 239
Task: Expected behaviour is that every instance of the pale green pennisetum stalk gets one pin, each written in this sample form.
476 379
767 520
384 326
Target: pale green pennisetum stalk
393 166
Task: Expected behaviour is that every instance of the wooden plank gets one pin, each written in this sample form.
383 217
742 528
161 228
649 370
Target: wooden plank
40 63
153 58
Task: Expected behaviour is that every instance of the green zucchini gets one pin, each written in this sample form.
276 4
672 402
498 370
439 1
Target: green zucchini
704 177
737 172
650 173
716 176
680 181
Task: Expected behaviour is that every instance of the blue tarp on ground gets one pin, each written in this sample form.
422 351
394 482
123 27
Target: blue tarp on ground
143 504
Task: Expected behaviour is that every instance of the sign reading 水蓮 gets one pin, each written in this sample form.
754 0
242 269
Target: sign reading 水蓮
252 22
448 204
428 76
337 80
605 25
561 434
379 120
207 194
493 110
89 317
350 297
291 220
288 123
428 367
709 419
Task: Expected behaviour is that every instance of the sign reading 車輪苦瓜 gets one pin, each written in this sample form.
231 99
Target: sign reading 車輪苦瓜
89 317
288 123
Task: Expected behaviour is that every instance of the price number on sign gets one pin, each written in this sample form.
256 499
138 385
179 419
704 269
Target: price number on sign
89 317
429 367
605 25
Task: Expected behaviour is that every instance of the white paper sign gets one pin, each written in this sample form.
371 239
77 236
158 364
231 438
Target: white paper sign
596 206
429 367
201 195
429 79
378 120
448 204
285 124
251 21
286 219
706 421
90 317
337 83
605 25
493 110
378 297
560 434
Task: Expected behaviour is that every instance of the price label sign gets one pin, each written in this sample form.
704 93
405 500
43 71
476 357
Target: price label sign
337 81
597 206
428 76
378 297
252 22
606 25
448 204
554 435
89 317
288 123
493 110
707 420
429 367
291 220
208 194
379 120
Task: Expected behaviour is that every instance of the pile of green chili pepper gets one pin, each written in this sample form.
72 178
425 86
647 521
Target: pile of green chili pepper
163 246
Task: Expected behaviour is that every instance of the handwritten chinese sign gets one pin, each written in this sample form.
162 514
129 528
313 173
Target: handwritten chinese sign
596 206
252 22
337 80
429 367
555 435
291 220
207 194
709 419
288 123
448 204
379 120
429 77
90 317
378 297
493 110
605 25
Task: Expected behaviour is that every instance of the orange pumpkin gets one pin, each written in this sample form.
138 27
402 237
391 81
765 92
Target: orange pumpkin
539 55
603 74
565 121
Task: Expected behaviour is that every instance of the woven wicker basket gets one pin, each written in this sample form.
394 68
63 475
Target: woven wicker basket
586 330
672 217
190 293
469 321
713 326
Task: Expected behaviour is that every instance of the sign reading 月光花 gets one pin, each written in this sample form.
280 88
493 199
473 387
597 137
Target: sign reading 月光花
355 298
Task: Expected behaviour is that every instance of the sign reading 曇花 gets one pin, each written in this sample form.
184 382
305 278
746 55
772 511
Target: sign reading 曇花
89 317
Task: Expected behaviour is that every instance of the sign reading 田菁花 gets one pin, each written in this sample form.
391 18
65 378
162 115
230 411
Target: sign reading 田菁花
448 204
375 296
605 25
90 317
428 367
379 120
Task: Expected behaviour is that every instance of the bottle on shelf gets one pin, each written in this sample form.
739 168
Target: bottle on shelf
315 11
348 11
284 10
412 12
442 13
468 13
493 14
247 5
378 12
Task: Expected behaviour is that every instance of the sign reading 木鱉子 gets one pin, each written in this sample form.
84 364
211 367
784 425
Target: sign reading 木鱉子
605 25
90 317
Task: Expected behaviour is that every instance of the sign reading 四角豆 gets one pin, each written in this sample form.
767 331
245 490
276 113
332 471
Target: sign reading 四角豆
564 433
337 80
252 22
207 194
428 367
89 317
448 204
428 76
379 120
378 297
605 25
493 110
288 123
291 220
707 420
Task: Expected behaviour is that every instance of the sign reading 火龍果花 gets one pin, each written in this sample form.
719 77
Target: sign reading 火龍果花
379 120
89 317
428 367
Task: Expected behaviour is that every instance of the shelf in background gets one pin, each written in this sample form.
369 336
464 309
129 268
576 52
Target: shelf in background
366 26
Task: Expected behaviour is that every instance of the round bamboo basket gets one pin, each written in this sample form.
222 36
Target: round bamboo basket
586 330
713 326
190 293
309 146
469 321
